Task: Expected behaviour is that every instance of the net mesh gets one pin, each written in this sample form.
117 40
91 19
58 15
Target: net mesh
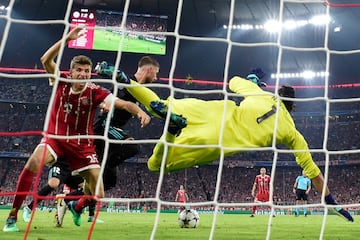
212 197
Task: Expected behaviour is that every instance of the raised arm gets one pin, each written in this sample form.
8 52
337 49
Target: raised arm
48 58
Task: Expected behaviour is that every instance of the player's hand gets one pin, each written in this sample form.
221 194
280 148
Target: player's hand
75 33
104 107
121 77
100 66
144 118
103 69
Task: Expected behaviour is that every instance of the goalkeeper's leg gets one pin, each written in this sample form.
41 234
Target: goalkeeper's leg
338 210
318 182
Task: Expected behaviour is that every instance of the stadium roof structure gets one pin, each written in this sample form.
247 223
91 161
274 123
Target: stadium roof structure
299 43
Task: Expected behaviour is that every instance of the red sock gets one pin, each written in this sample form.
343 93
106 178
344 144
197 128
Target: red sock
254 210
24 184
82 203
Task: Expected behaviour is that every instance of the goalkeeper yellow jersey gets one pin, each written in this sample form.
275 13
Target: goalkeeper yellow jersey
221 123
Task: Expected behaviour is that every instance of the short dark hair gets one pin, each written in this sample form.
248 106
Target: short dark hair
289 92
147 60
80 59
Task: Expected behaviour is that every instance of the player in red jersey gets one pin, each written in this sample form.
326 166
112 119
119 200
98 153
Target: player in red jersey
71 121
262 183
181 196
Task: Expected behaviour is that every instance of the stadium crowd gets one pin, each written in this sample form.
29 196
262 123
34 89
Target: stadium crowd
24 102
236 182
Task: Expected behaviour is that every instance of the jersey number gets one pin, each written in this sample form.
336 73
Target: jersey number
56 170
92 158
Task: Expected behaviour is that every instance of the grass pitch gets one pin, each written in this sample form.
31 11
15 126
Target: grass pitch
139 226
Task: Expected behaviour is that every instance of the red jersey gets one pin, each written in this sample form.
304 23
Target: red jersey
181 195
263 184
73 113
66 189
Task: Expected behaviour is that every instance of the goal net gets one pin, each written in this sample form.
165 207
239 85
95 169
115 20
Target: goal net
310 45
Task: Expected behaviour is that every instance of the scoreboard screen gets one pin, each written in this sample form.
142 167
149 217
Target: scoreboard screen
142 33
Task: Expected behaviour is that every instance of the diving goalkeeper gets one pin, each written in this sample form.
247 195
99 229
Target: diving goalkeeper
248 125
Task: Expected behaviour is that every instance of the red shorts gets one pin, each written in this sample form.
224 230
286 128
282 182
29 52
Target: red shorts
79 156
262 197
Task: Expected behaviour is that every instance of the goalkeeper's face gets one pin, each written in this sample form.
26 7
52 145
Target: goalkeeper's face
82 72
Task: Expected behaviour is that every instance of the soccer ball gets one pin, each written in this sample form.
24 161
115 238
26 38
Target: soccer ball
189 218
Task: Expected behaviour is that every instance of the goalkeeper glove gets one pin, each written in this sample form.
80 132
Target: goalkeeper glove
255 75
121 77
103 69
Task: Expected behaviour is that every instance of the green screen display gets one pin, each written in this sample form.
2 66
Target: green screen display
144 33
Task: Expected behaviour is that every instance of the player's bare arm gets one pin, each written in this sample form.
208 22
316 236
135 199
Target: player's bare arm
48 58
134 110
